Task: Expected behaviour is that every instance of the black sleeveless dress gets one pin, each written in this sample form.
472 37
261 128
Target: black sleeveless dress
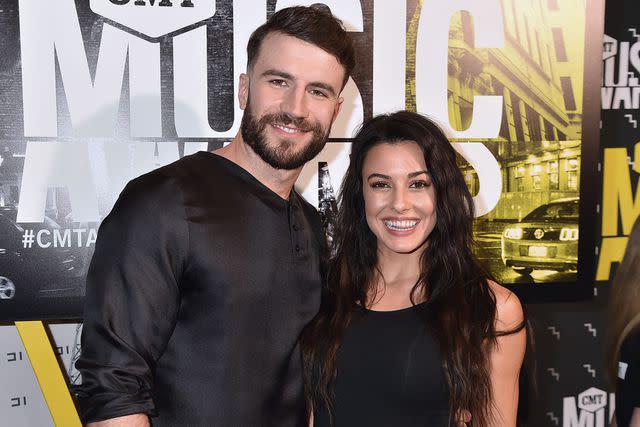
628 394
389 373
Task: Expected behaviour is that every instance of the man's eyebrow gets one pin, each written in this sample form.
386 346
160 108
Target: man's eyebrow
285 75
274 72
324 86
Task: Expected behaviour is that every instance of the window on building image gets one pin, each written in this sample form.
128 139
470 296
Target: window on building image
504 126
518 173
533 119
472 182
572 180
498 89
558 42
572 164
552 169
536 182
548 131
567 93
572 174
561 136
517 121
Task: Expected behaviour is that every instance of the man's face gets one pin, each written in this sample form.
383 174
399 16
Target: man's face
290 99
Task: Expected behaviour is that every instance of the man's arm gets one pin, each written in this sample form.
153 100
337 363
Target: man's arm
132 300
135 420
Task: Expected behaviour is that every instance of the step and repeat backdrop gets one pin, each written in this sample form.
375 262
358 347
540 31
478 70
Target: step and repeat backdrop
96 92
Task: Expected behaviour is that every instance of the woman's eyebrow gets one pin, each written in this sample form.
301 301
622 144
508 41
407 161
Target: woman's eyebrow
414 174
410 175
378 175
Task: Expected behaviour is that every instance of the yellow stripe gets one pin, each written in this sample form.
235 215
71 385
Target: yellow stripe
47 370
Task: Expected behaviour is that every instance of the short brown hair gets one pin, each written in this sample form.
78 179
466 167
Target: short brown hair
313 24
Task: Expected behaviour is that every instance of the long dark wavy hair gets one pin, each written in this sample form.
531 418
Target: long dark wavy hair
623 317
460 309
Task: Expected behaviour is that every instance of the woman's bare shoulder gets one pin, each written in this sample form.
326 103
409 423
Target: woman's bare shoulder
509 311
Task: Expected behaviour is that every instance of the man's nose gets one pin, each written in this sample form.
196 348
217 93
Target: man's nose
295 103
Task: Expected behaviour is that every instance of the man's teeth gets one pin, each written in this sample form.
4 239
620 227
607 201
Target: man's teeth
288 130
401 225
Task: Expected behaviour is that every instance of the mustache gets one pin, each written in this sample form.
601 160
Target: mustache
285 119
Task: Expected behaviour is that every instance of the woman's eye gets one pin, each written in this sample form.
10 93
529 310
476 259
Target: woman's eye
420 184
379 184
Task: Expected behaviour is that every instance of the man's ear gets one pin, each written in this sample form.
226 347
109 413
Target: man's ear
243 90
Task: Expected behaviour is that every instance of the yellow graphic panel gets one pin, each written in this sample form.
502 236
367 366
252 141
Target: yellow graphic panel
47 370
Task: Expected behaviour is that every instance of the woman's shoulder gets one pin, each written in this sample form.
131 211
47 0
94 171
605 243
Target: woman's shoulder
509 312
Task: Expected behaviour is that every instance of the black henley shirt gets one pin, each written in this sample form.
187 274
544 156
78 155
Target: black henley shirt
201 282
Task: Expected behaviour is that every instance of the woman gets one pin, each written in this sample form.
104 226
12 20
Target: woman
411 331
623 349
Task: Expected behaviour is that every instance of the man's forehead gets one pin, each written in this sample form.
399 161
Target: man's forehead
298 58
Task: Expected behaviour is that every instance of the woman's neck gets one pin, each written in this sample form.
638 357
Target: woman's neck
396 277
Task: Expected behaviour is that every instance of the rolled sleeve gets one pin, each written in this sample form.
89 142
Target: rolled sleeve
132 299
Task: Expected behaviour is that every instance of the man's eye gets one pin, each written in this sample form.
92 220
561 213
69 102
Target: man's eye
318 93
278 82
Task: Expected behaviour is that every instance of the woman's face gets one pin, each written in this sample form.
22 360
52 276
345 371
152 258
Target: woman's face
399 197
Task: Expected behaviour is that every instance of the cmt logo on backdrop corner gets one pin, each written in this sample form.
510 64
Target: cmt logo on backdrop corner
155 18
588 409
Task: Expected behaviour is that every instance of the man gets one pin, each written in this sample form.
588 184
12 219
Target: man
206 270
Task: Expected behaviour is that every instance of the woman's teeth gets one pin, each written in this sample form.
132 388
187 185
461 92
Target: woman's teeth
401 225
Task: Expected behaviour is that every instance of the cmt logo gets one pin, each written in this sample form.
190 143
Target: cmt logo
588 409
155 18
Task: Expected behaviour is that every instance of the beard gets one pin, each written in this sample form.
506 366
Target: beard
281 153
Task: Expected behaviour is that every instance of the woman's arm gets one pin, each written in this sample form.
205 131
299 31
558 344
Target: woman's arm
506 358
635 418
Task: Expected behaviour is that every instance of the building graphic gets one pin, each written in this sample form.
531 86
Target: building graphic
539 73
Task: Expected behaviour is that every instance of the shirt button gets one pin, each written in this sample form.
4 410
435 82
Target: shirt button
297 248
295 227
